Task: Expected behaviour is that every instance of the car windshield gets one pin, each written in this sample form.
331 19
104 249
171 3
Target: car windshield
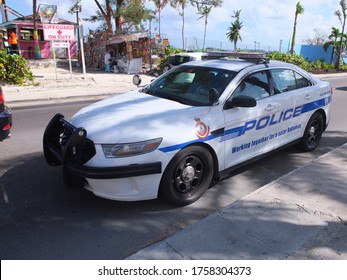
191 85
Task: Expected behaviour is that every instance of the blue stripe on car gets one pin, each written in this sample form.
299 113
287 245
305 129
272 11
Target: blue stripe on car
240 130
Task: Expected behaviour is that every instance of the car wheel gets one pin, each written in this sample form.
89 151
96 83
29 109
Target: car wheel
188 176
166 68
313 133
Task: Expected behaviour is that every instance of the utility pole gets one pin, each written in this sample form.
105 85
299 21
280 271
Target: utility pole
77 9
4 6
36 34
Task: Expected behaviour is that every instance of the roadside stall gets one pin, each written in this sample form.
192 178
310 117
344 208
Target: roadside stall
129 52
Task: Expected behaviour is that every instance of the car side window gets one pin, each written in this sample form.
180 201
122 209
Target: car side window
287 80
301 81
255 85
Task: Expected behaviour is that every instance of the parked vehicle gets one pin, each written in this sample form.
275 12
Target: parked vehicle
191 126
5 118
180 58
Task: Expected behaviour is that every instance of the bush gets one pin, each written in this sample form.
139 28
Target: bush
301 61
13 69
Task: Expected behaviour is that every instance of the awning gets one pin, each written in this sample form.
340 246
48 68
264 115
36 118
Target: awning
127 38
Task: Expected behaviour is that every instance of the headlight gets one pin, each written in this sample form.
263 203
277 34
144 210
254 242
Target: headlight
130 149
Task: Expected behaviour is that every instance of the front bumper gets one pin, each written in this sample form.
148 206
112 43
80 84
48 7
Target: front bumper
66 145
5 123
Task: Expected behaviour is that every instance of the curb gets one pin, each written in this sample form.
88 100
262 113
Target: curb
19 104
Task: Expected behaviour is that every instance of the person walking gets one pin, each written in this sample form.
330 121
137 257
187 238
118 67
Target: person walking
12 39
107 61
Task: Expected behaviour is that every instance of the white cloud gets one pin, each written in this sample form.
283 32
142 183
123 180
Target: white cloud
266 22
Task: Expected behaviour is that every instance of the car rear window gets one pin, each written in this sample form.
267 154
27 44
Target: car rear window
287 80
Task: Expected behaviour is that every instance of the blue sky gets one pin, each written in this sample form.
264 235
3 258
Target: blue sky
265 22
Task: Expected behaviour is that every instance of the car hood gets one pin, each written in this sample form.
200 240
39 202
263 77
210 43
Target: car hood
135 116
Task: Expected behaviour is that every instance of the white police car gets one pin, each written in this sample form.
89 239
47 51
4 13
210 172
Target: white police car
187 128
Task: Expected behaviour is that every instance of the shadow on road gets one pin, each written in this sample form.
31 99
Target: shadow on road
41 219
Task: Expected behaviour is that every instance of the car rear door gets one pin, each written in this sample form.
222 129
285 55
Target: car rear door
292 84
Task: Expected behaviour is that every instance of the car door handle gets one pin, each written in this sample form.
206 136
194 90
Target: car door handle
308 96
270 107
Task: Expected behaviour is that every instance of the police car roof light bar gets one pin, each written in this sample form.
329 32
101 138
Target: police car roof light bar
255 57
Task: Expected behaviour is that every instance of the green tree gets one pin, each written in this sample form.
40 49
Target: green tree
130 11
342 15
108 14
234 31
204 9
298 11
133 13
105 14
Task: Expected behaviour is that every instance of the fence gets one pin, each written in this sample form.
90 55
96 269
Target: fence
194 43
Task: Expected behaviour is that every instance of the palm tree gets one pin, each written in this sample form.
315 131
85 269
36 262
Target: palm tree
334 36
298 11
234 30
181 4
160 4
204 9
342 15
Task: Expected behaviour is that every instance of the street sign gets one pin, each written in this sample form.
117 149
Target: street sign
59 44
58 32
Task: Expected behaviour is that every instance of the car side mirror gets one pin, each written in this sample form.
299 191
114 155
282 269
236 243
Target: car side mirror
242 101
137 80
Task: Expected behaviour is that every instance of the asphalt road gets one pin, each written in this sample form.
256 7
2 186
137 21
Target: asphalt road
41 219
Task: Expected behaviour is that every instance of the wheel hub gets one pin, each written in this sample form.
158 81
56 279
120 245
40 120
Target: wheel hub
188 174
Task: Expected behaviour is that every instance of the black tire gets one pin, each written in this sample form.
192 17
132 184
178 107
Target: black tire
187 176
313 133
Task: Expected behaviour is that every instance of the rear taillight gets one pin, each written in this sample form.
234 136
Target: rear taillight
2 96
6 127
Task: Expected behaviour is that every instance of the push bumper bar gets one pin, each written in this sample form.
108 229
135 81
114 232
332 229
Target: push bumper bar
66 145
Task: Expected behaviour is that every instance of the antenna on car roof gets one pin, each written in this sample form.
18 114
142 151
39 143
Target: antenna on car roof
255 57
